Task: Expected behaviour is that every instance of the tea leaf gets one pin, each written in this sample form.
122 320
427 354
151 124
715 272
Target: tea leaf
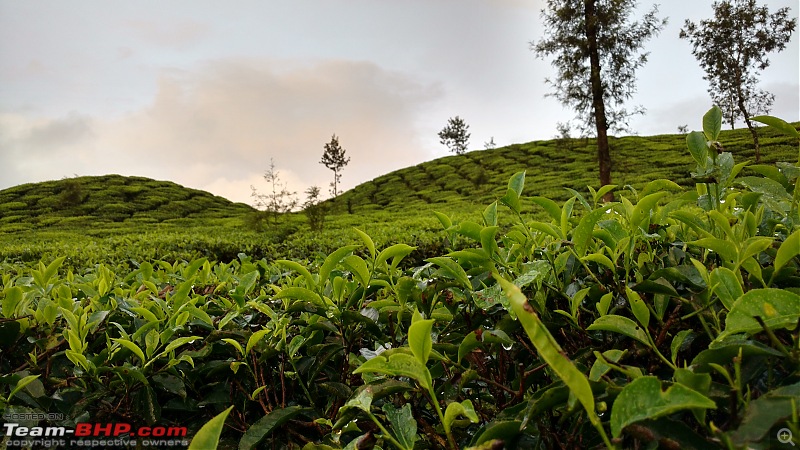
643 399
419 339
267 424
208 435
621 325
776 307
712 123
548 348
403 424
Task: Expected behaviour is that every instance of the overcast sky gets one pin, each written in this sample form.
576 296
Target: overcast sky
204 93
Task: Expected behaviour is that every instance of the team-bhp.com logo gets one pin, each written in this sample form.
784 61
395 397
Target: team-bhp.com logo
94 435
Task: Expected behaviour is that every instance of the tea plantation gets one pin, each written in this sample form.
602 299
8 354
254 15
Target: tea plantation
489 300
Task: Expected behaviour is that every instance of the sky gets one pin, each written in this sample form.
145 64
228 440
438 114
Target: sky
204 93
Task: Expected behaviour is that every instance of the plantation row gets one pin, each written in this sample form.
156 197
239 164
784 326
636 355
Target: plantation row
668 317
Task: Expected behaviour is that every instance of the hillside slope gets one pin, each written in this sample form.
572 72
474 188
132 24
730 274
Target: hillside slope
134 218
480 177
109 199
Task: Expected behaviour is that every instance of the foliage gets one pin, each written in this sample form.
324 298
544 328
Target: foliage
595 49
658 320
334 159
314 209
84 201
455 135
279 200
732 49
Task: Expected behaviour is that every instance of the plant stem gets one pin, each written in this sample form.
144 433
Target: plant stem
388 436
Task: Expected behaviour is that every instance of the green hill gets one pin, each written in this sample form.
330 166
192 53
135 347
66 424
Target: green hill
106 200
133 218
479 177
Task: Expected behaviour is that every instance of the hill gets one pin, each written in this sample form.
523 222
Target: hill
106 200
479 177
130 219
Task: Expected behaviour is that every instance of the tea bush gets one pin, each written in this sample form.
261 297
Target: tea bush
668 318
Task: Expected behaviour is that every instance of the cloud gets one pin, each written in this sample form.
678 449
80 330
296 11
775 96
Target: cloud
217 126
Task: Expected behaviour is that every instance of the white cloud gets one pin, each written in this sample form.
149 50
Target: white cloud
217 127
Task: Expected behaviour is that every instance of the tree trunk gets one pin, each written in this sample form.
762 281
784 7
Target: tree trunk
750 127
603 152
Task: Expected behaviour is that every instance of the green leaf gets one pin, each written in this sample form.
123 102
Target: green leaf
712 123
490 215
362 400
643 399
207 436
456 409
511 200
333 260
583 232
603 191
604 303
52 269
468 344
488 241
698 147
621 325
754 246
443 219
788 250
779 124
600 366
677 343
358 267
723 351
470 229
726 286
179 342
452 270
255 338
11 300
419 339
549 206
496 434
517 183
132 347
397 252
398 365
778 308
643 209
301 294
299 268
549 350
367 241
639 308
20 385
267 424
601 259
725 249
660 185
403 424
763 413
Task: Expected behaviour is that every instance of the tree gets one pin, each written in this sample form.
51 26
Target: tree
455 136
279 200
595 49
334 159
732 50
314 209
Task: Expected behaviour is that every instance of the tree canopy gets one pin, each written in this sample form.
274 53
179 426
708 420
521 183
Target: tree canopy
732 49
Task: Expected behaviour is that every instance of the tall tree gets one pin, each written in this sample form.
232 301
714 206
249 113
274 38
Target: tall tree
455 135
732 49
334 159
595 48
